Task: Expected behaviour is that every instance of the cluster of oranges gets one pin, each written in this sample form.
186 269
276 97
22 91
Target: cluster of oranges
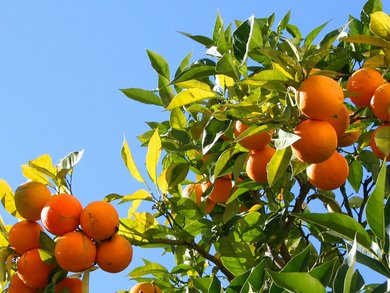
323 129
83 237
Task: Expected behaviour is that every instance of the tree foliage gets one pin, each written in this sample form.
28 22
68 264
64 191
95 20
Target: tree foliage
283 235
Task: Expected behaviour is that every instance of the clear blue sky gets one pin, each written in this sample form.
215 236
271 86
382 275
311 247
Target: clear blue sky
63 63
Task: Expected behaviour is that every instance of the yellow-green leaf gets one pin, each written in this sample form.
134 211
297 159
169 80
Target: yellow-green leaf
141 194
193 83
382 139
178 119
44 164
129 162
34 175
153 155
145 220
366 39
190 96
7 198
162 182
134 207
380 24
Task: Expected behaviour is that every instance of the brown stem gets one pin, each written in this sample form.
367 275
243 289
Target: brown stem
366 191
346 202
197 248
285 253
305 187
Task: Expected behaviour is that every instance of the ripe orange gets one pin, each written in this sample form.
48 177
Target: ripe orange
256 165
99 220
252 142
348 138
69 285
32 270
329 174
221 189
61 214
320 97
24 236
145 288
362 84
30 198
380 102
373 145
16 285
115 254
340 121
317 143
75 252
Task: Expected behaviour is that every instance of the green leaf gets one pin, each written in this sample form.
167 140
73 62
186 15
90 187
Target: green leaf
46 243
375 206
380 24
278 165
297 282
129 162
367 39
190 96
313 34
382 139
350 261
194 72
176 173
159 63
355 175
328 198
241 39
343 225
285 139
153 155
264 76
200 39
165 90
44 164
253 278
215 285
143 96
226 66
177 119
223 160
370 7
212 132
355 202
283 23
324 271
149 269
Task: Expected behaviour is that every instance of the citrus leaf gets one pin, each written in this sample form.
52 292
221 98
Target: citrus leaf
380 24
138 195
159 63
343 225
366 39
7 198
278 165
143 96
375 205
177 119
150 268
153 155
190 96
129 162
223 159
44 165
265 75
297 282
241 39
355 175
382 139
34 175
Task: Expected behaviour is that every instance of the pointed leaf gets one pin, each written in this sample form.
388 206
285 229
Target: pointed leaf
143 96
367 39
297 282
266 75
355 175
190 96
71 159
324 271
7 198
241 38
200 39
177 119
341 224
138 195
159 63
153 155
129 162
313 34
34 175
375 206
223 159
278 165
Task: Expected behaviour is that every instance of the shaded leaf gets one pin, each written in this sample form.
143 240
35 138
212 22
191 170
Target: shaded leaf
241 39
355 175
297 282
278 165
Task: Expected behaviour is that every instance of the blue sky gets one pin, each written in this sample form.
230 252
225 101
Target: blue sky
63 63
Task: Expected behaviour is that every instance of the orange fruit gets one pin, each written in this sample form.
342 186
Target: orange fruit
317 143
75 252
320 97
348 138
115 254
145 288
16 285
253 142
221 189
99 220
380 102
69 285
30 198
32 270
330 174
373 145
256 165
362 84
340 121
61 214
24 236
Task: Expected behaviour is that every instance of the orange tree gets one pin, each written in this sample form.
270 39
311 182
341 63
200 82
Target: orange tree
270 173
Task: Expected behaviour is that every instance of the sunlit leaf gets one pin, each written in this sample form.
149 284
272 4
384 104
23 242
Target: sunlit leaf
34 175
193 83
190 96
380 24
382 139
159 63
367 39
7 198
278 165
297 282
153 155
265 75
375 206
129 162
150 268
138 195
143 96
44 165
71 159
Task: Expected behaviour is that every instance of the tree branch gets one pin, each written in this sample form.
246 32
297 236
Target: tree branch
346 202
199 249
